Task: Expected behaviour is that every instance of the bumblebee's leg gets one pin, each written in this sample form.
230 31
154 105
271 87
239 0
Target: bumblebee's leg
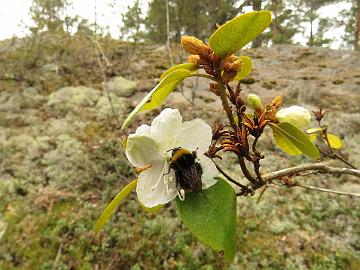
194 152
178 187
199 169
170 167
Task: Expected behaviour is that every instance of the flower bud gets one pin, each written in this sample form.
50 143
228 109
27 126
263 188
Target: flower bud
253 101
194 58
194 45
296 115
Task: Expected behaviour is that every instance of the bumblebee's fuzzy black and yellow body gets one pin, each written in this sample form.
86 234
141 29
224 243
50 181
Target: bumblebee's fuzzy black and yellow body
187 170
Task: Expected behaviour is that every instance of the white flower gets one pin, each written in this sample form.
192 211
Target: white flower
296 115
151 145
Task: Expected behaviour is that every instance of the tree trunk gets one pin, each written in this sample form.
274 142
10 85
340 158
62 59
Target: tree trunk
311 39
274 28
257 41
168 32
357 29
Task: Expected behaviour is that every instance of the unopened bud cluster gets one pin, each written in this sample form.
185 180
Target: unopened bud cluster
203 55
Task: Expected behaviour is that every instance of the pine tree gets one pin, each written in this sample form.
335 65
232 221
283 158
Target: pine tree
351 21
133 22
324 25
189 17
48 15
284 24
308 10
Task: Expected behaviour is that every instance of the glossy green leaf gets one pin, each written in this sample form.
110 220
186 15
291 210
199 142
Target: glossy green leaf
211 216
124 143
189 66
312 137
245 69
293 141
109 210
236 33
156 96
334 141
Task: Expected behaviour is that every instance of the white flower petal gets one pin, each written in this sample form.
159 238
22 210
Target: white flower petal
165 127
209 171
152 190
195 134
141 150
144 130
295 115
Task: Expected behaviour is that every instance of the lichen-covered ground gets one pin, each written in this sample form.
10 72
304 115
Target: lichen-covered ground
61 163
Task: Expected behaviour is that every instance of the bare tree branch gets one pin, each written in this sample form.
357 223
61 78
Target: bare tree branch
328 190
317 167
318 189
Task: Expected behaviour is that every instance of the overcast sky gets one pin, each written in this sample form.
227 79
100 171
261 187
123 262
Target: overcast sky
14 15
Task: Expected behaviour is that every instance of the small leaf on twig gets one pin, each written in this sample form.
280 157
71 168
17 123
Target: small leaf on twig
292 140
236 33
245 68
109 210
156 96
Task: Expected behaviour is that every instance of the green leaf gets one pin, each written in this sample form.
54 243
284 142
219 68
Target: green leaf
156 96
293 141
124 143
109 210
211 216
245 69
189 66
334 141
238 32
312 137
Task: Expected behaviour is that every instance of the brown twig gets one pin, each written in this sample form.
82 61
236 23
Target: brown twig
230 116
228 177
226 106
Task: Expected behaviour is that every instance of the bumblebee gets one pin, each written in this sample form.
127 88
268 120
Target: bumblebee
187 170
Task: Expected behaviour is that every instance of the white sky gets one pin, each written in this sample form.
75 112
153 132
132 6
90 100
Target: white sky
14 16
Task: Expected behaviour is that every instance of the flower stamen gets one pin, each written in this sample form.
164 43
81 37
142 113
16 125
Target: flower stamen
140 170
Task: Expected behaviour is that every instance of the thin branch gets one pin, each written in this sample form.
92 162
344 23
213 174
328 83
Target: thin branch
57 258
246 171
262 193
316 167
357 195
328 190
100 56
228 177
226 106
230 116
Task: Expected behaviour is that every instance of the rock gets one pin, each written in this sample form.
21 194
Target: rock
71 97
121 87
103 106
